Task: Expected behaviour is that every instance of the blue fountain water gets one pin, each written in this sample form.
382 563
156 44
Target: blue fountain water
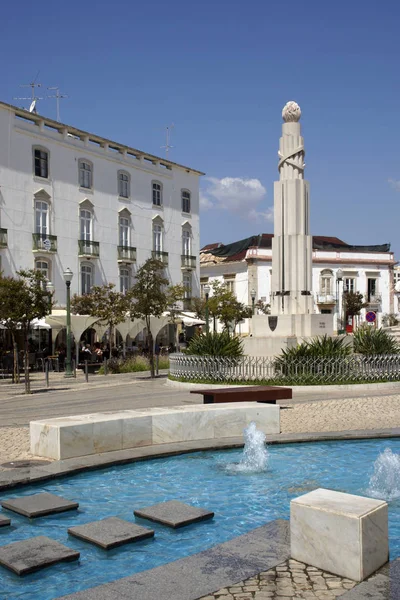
241 498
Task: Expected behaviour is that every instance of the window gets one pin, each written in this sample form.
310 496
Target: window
157 193
86 224
41 160
230 284
185 201
123 184
202 286
85 174
350 284
326 282
41 217
86 278
372 289
124 280
124 231
157 237
187 284
43 267
186 242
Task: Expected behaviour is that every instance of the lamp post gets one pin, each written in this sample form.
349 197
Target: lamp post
207 293
253 295
339 278
344 308
68 275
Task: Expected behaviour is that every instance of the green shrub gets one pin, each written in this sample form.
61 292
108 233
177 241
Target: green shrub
318 347
133 365
216 344
371 341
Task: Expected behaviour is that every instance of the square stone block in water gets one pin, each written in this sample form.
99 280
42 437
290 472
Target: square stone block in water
39 505
4 521
34 554
110 533
340 533
174 513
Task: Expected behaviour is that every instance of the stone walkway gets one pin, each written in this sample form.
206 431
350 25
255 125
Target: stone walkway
288 581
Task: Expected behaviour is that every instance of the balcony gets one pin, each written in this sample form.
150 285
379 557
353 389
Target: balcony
89 249
126 254
326 299
188 262
44 243
162 256
3 238
374 300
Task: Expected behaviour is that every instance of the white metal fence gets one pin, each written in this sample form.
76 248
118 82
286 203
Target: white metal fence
281 371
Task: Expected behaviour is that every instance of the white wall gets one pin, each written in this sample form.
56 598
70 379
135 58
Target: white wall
18 186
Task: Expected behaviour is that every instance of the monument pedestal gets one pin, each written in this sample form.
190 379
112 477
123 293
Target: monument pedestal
292 325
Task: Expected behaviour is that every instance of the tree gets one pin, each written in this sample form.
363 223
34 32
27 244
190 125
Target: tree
224 306
21 301
104 302
262 307
175 294
198 306
353 303
149 298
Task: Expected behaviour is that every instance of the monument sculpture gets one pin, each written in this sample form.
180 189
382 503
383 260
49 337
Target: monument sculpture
292 303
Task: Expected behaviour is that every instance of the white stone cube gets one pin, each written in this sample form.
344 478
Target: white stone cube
340 533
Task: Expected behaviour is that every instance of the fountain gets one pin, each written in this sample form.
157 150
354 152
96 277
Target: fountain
255 454
385 481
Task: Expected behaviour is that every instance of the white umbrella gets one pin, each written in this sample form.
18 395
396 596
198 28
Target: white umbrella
40 324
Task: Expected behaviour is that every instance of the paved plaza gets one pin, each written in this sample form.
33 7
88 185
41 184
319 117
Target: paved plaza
309 411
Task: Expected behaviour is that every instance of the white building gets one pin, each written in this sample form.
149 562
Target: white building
69 198
246 266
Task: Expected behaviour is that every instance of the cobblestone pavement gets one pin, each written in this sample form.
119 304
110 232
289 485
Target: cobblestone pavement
289 580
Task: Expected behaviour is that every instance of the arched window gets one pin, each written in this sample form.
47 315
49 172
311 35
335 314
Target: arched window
186 242
124 279
157 193
85 174
124 230
123 184
326 282
185 201
86 278
41 218
41 162
86 220
43 267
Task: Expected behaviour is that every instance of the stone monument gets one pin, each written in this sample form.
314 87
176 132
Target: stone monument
292 302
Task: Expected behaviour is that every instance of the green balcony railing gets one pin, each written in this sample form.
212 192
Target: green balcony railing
188 262
3 238
127 253
44 242
162 256
89 248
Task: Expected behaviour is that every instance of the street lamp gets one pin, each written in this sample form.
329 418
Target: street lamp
207 293
253 295
68 275
339 278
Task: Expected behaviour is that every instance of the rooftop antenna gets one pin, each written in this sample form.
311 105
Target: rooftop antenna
57 96
168 145
33 97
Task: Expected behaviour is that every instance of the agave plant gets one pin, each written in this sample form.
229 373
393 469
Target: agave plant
324 345
216 344
370 341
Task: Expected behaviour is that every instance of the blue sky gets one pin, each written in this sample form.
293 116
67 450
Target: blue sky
221 71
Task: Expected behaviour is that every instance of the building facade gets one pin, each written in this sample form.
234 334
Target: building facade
246 267
72 199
